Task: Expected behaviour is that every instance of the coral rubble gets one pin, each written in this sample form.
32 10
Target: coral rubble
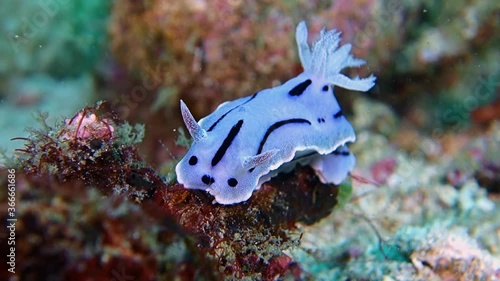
417 211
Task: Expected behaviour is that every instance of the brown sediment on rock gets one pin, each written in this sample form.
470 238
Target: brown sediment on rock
488 113
202 47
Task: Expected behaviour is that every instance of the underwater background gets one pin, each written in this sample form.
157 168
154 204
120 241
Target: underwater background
423 202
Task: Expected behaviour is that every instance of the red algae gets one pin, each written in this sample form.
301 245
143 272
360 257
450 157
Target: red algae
66 230
144 227
86 148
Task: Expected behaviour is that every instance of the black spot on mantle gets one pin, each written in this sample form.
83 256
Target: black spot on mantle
300 88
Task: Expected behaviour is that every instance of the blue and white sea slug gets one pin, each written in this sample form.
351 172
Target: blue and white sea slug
245 142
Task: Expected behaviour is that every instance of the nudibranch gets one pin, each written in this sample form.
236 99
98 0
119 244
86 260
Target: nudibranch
245 142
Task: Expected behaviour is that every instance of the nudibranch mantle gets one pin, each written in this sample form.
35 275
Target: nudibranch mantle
245 142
